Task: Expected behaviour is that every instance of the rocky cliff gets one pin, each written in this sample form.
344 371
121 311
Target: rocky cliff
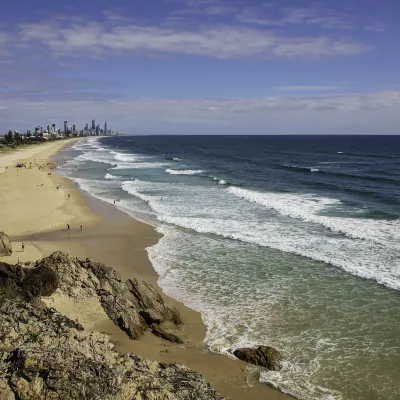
133 305
5 245
45 355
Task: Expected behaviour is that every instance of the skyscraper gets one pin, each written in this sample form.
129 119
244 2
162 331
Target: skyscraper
105 128
93 125
65 126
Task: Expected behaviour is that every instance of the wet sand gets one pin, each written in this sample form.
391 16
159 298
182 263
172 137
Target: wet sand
112 237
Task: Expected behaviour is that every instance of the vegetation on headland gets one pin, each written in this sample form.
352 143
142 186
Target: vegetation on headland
15 139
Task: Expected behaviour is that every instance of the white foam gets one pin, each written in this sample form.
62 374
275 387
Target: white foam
369 249
306 208
184 171
137 165
124 157
112 177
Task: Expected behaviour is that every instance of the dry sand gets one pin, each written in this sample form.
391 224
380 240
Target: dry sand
37 215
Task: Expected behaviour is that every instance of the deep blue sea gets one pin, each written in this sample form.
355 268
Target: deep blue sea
289 241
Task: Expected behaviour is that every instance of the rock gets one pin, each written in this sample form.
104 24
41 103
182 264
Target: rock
44 355
5 245
151 316
157 331
263 356
27 283
133 305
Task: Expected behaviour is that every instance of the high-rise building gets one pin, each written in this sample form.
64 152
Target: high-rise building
65 126
73 128
105 127
87 127
93 125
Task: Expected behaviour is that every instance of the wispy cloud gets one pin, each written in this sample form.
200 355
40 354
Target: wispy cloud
307 88
216 41
364 111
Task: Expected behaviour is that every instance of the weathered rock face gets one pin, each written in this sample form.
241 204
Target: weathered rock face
5 245
46 356
133 305
263 356
28 284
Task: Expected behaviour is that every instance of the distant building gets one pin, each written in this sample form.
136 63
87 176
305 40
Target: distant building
73 128
65 126
105 127
93 125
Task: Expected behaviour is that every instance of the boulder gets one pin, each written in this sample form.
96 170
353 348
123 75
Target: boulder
5 245
264 356
133 305
45 355
27 283
158 331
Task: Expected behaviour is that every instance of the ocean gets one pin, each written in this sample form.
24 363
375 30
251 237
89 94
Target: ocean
289 241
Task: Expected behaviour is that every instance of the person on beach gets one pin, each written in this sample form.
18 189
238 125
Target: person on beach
23 247
69 195
81 228
68 228
114 202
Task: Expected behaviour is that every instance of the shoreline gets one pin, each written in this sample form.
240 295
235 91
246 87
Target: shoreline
116 239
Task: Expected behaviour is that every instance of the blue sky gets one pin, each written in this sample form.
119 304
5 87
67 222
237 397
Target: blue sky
202 66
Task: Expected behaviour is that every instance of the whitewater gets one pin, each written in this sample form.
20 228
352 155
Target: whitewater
286 243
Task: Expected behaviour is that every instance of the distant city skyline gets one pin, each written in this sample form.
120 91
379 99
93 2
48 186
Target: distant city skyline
203 66
52 129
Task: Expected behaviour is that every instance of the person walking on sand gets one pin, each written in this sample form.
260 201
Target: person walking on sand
81 228
68 228
23 247
114 202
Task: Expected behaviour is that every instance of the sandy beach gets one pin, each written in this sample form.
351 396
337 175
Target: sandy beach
33 211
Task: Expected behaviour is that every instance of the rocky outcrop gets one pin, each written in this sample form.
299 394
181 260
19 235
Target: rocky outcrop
133 305
263 356
5 245
46 356
26 283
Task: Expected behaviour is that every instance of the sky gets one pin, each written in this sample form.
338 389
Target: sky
202 66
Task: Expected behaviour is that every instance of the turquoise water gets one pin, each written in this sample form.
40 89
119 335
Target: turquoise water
274 243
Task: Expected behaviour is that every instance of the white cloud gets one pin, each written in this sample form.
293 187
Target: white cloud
217 41
376 112
306 88
304 17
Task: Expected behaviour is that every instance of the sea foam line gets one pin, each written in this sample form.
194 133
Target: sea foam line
184 171
306 207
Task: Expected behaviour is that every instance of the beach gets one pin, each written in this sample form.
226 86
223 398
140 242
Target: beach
34 212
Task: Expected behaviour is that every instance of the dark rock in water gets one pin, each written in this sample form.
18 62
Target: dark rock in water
133 305
45 355
263 356
5 245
